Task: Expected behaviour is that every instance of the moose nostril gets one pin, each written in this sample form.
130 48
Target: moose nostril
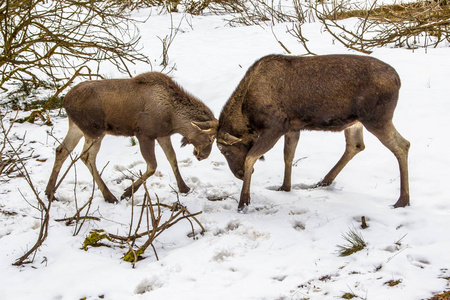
198 155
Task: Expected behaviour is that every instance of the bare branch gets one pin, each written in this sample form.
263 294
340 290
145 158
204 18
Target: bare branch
55 40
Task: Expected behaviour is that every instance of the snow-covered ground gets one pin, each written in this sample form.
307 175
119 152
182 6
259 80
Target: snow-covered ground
285 246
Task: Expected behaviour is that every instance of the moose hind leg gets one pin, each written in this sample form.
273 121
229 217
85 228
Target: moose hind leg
290 144
89 155
166 145
399 146
354 143
147 147
69 143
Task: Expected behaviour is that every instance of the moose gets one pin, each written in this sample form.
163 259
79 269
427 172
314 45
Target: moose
283 95
150 106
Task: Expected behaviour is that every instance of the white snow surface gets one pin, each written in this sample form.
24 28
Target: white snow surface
285 245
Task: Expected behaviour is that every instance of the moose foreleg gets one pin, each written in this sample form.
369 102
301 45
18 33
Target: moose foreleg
147 147
266 140
354 144
89 156
167 147
69 143
290 144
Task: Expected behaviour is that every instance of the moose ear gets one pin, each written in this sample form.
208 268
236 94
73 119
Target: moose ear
209 127
229 139
184 142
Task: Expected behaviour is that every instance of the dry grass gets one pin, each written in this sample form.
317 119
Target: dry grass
416 25
432 11
393 282
443 296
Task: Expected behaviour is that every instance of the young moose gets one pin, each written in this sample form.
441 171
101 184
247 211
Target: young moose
282 95
150 106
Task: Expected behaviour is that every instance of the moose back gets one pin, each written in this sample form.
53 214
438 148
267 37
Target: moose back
150 106
282 95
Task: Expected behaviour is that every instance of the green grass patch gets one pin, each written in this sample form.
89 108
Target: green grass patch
355 243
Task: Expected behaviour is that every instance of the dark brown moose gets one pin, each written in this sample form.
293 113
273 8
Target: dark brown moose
282 95
150 106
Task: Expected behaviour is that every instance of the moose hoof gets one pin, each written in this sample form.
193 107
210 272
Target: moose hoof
126 194
184 189
323 183
402 202
243 209
111 199
244 202
284 188
51 197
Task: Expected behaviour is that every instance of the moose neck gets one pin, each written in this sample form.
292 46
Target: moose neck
188 110
232 119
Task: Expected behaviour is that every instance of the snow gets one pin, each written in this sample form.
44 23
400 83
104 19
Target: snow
285 246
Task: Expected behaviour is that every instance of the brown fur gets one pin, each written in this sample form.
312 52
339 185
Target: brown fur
149 106
282 95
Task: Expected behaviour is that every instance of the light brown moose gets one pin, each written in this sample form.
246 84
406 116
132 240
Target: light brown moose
150 106
282 95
